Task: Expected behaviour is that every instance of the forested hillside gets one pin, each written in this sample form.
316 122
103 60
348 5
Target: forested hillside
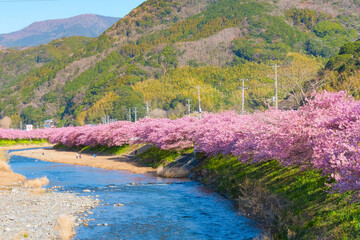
164 49
343 70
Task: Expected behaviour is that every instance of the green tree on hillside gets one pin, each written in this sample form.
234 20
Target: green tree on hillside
32 115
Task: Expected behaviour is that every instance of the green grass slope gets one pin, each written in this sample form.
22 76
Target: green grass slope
292 204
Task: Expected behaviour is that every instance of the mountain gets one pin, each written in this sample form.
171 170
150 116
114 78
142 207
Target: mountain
161 51
88 25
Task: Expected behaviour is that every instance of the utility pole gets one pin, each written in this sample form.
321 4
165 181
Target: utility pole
129 116
135 111
105 119
198 87
189 107
243 95
147 110
276 87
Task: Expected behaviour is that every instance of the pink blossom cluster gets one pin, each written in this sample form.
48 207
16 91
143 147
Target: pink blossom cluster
14 134
323 134
113 134
167 134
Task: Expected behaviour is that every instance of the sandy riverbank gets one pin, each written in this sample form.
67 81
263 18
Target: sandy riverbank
107 162
29 212
8 177
29 215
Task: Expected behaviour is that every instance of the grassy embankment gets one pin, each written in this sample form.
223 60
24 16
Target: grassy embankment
114 150
10 142
154 157
288 202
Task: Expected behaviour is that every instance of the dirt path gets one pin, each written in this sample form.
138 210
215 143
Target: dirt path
107 162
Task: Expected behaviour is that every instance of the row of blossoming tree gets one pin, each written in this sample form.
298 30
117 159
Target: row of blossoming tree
323 134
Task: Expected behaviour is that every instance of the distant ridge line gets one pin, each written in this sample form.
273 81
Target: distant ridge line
42 32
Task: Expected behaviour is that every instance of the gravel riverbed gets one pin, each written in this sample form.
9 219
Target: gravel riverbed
29 215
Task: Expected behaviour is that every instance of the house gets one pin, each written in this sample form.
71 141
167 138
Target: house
49 123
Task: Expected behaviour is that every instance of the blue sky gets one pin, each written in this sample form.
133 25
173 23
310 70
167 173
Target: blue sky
17 14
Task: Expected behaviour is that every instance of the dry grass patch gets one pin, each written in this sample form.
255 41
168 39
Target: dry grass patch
4 166
7 177
66 227
37 191
37 183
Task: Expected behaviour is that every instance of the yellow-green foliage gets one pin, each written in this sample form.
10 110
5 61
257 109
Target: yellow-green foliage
155 157
161 92
66 47
99 109
114 150
220 85
10 142
335 82
299 70
303 17
342 72
14 63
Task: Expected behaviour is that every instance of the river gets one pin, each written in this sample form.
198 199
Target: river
143 206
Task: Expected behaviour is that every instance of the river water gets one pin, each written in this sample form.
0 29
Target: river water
153 207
